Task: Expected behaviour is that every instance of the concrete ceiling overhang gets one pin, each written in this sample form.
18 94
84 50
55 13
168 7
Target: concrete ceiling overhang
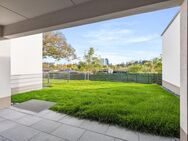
69 13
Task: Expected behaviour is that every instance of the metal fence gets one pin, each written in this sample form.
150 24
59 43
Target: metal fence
147 78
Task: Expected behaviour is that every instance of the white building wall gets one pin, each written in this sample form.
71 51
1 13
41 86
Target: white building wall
171 56
5 87
26 63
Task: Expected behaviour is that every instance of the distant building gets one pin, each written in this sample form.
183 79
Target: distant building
106 71
104 61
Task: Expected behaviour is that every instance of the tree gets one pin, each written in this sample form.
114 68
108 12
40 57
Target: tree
134 68
48 66
148 66
55 46
89 56
96 64
145 66
157 64
91 62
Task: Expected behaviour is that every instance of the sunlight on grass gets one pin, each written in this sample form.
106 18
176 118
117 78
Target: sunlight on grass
141 107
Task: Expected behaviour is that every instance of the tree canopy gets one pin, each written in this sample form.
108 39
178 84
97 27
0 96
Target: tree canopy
151 66
91 62
56 46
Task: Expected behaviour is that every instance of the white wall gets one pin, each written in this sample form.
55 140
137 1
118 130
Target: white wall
26 55
5 90
26 63
171 53
184 71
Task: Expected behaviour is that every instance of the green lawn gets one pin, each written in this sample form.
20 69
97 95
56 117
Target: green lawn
142 107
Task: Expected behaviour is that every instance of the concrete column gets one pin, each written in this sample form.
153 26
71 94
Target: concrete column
5 87
1 31
183 73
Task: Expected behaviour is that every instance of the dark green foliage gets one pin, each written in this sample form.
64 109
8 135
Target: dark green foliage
147 78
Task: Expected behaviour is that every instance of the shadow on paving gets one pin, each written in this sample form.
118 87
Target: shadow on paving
35 105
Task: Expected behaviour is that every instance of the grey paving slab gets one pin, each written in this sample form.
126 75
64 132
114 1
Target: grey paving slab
46 137
51 115
69 132
7 124
29 120
119 140
42 113
45 125
20 125
122 133
4 139
20 133
91 136
35 105
11 114
22 110
95 126
71 121
145 137
1 119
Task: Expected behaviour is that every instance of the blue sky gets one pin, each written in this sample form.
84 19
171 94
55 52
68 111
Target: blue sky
124 39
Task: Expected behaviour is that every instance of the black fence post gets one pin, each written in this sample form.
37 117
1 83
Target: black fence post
127 77
48 78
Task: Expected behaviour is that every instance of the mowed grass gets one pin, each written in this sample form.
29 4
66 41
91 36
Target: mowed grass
140 107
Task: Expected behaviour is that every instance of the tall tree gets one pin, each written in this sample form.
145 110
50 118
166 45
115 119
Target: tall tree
55 46
91 62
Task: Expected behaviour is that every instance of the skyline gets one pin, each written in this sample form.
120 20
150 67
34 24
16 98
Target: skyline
124 39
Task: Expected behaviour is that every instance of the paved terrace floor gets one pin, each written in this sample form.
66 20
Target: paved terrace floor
23 125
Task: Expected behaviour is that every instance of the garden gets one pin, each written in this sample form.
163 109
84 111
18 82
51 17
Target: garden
141 107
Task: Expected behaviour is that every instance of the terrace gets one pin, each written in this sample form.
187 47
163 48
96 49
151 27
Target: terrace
21 125
20 19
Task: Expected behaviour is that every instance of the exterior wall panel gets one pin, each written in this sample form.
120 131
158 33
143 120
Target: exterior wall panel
5 86
171 56
26 63
184 70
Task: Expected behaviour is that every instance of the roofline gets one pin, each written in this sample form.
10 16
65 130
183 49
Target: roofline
98 10
170 23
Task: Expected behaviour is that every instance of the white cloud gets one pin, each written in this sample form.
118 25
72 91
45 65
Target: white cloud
115 23
119 42
111 37
107 33
139 39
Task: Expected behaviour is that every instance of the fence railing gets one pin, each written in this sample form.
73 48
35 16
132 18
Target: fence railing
147 78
